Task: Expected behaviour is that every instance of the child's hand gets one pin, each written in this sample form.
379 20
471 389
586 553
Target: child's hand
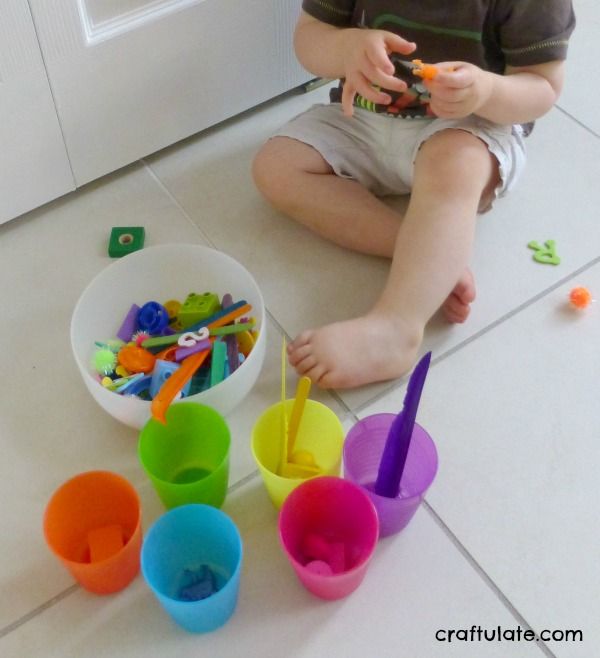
459 89
366 63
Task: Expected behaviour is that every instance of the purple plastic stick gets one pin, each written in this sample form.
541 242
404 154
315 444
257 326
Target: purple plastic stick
397 443
200 346
129 325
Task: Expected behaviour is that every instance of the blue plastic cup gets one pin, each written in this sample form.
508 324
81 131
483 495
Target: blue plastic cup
191 560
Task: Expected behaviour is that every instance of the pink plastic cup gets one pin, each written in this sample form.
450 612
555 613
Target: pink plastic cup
363 448
328 529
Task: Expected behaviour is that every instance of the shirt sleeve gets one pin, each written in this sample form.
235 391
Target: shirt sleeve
533 32
334 12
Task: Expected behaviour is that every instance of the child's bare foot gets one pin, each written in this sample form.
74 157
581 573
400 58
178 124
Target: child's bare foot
457 306
368 349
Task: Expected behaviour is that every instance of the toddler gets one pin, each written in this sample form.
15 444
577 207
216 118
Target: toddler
453 142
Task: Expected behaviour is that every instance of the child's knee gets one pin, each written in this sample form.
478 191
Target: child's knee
275 166
264 166
457 156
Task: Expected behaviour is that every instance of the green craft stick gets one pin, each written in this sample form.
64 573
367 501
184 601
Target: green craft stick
160 341
217 363
232 328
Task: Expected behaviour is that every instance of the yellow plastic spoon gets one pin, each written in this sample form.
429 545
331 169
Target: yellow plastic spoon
301 464
302 392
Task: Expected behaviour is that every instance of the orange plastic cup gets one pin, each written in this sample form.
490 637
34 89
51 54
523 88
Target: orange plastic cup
93 525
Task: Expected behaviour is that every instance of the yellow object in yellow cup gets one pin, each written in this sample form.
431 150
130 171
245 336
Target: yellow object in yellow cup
320 433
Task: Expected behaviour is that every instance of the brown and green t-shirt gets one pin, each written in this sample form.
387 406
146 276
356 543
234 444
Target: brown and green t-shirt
491 34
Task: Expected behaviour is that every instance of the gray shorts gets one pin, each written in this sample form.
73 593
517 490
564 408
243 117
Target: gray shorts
379 151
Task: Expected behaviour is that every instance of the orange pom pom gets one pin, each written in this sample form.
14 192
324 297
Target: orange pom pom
136 359
580 297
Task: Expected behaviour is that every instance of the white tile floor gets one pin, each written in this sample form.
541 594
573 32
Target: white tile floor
509 535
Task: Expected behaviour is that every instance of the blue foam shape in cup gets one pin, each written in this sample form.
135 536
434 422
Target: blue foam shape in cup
183 540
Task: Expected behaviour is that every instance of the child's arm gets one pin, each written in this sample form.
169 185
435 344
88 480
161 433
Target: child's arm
360 56
523 94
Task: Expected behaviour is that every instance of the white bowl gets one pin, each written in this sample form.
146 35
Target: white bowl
160 273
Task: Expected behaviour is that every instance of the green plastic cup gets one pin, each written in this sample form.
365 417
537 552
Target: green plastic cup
187 459
320 433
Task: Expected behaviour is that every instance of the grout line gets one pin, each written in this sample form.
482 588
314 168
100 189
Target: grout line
178 205
486 578
243 482
490 327
577 121
38 611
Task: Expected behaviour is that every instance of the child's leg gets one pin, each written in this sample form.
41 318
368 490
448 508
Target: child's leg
296 179
452 171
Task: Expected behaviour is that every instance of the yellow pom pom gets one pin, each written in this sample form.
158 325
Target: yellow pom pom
303 458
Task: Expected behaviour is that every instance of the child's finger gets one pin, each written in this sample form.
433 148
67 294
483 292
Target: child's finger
396 44
377 58
348 94
455 75
382 79
378 54
450 94
365 88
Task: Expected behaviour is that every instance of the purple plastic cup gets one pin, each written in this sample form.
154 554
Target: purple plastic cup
328 529
363 448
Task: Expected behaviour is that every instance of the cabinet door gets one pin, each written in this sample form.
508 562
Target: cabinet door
34 167
132 76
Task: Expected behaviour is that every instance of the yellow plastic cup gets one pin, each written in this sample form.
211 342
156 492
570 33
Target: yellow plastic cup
320 433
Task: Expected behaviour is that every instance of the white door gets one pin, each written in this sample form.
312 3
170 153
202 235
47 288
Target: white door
33 162
132 76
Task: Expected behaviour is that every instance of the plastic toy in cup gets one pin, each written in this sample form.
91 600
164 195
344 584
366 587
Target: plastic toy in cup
328 528
363 449
191 560
92 524
320 435
144 283
187 459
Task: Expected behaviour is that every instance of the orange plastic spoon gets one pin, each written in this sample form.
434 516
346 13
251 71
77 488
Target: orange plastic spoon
174 384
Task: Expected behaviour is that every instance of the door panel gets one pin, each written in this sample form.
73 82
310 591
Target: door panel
130 77
34 167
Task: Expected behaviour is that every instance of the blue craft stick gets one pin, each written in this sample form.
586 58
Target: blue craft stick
125 383
138 386
398 440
